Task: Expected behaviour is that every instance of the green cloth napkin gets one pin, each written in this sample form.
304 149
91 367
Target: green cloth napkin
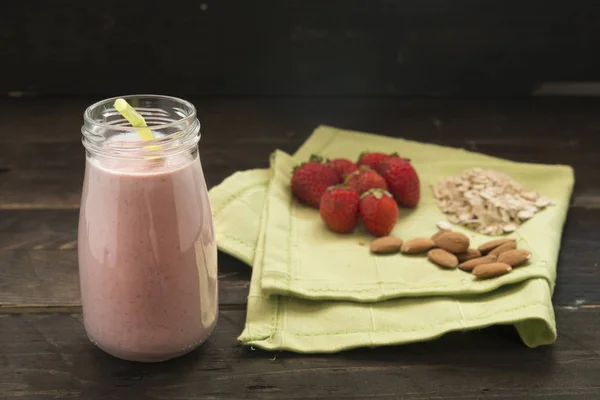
278 247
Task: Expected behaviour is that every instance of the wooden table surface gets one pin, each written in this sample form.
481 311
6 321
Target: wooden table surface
44 353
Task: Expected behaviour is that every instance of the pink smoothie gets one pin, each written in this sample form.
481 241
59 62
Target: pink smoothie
147 257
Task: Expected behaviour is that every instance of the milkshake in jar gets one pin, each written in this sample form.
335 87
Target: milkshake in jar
147 250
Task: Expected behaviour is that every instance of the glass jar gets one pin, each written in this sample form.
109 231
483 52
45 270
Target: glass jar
146 244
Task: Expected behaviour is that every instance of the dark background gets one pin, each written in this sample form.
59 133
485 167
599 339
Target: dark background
298 48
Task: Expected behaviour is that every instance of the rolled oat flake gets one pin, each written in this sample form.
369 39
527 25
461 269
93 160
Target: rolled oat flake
487 201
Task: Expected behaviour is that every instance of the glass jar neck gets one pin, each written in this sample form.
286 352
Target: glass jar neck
173 122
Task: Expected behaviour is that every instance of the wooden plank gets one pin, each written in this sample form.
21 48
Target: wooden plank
42 167
49 356
338 47
30 279
284 120
39 278
38 229
38 263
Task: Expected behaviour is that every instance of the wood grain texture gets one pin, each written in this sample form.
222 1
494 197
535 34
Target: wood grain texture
49 356
337 47
41 165
38 229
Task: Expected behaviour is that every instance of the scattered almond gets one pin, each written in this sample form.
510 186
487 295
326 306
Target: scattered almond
504 247
489 246
386 244
450 249
470 264
454 242
417 245
515 257
442 258
468 255
485 271
361 242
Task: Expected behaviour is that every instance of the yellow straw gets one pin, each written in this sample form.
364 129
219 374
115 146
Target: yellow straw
134 118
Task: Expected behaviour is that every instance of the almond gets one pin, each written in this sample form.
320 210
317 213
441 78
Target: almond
417 245
386 244
504 247
485 271
468 255
470 264
442 258
514 258
454 242
439 233
489 246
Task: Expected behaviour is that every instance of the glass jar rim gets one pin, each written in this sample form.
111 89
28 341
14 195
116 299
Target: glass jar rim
110 101
180 132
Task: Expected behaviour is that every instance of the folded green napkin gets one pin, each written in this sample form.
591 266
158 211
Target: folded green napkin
294 255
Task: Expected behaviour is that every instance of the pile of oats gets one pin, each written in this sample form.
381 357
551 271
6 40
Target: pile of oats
487 201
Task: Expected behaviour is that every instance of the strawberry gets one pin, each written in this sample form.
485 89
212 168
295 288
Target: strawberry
402 180
372 160
311 179
364 179
339 208
342 167
379 212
